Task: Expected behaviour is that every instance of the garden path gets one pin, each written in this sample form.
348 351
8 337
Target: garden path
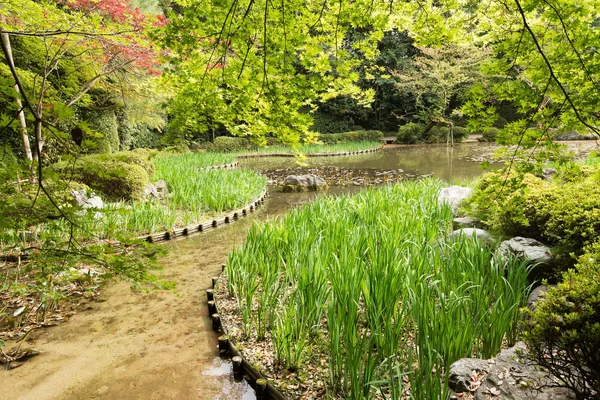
132 345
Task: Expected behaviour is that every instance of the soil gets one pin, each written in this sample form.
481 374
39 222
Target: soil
135 345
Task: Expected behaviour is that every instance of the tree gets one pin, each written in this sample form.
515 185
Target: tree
91 44
544 62
438 77
252 66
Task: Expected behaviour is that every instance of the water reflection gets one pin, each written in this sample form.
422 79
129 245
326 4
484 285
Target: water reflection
233 388
447 163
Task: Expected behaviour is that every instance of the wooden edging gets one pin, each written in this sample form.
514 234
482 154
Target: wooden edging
241 368
344 153
207 225
234 164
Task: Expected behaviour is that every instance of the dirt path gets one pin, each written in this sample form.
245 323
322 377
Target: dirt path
157 345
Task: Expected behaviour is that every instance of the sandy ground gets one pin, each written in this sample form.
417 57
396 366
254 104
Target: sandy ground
132 345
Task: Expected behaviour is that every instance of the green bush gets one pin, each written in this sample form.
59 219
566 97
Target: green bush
489 135
116 176
326 124
144 137
227 143
564 213
568 215
105 124
410 133
460 133
352 136
563 334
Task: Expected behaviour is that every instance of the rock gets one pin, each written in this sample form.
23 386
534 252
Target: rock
511 375
150 192
85 202
465 222
548 173
460 378
302 183
527 248
479 234
162 188
573 135
535 296
454 195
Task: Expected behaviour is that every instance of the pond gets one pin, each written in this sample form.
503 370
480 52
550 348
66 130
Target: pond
348 174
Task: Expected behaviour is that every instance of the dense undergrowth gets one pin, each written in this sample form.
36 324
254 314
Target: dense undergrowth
562 209
370 285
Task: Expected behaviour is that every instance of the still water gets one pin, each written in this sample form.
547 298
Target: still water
451 164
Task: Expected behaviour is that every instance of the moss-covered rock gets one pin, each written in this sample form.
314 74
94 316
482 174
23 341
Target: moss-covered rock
121 175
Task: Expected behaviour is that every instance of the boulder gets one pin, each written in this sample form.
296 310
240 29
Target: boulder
454 195
479 234
573 135
527 248
150 192
162 188
465 222
548 173
509 376
535 296
86 202
303 183
461 375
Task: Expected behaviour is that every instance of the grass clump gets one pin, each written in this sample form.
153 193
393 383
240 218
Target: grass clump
369 284
194 195
194 161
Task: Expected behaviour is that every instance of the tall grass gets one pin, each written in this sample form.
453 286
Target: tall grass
374 275
195 194
194 160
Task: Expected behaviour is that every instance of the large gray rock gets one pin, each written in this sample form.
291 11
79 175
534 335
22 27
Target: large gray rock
548 173
508 376
150 192
473 233
87 202
573 135
465 222
454 195
536 295
162 188
303 183
527 248
462 372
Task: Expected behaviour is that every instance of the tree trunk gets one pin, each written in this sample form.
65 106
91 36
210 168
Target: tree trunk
20 114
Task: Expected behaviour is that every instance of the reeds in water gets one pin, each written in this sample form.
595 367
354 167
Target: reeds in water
375 276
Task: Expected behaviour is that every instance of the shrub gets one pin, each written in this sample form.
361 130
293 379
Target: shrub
105 124
460 133
144 137
352 136
489 135
410 133
564 330
568 215
116 176
326 124
564 213
499 200
227 143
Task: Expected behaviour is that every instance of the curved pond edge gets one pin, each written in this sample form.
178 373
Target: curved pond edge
290 155
264 388
207 225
